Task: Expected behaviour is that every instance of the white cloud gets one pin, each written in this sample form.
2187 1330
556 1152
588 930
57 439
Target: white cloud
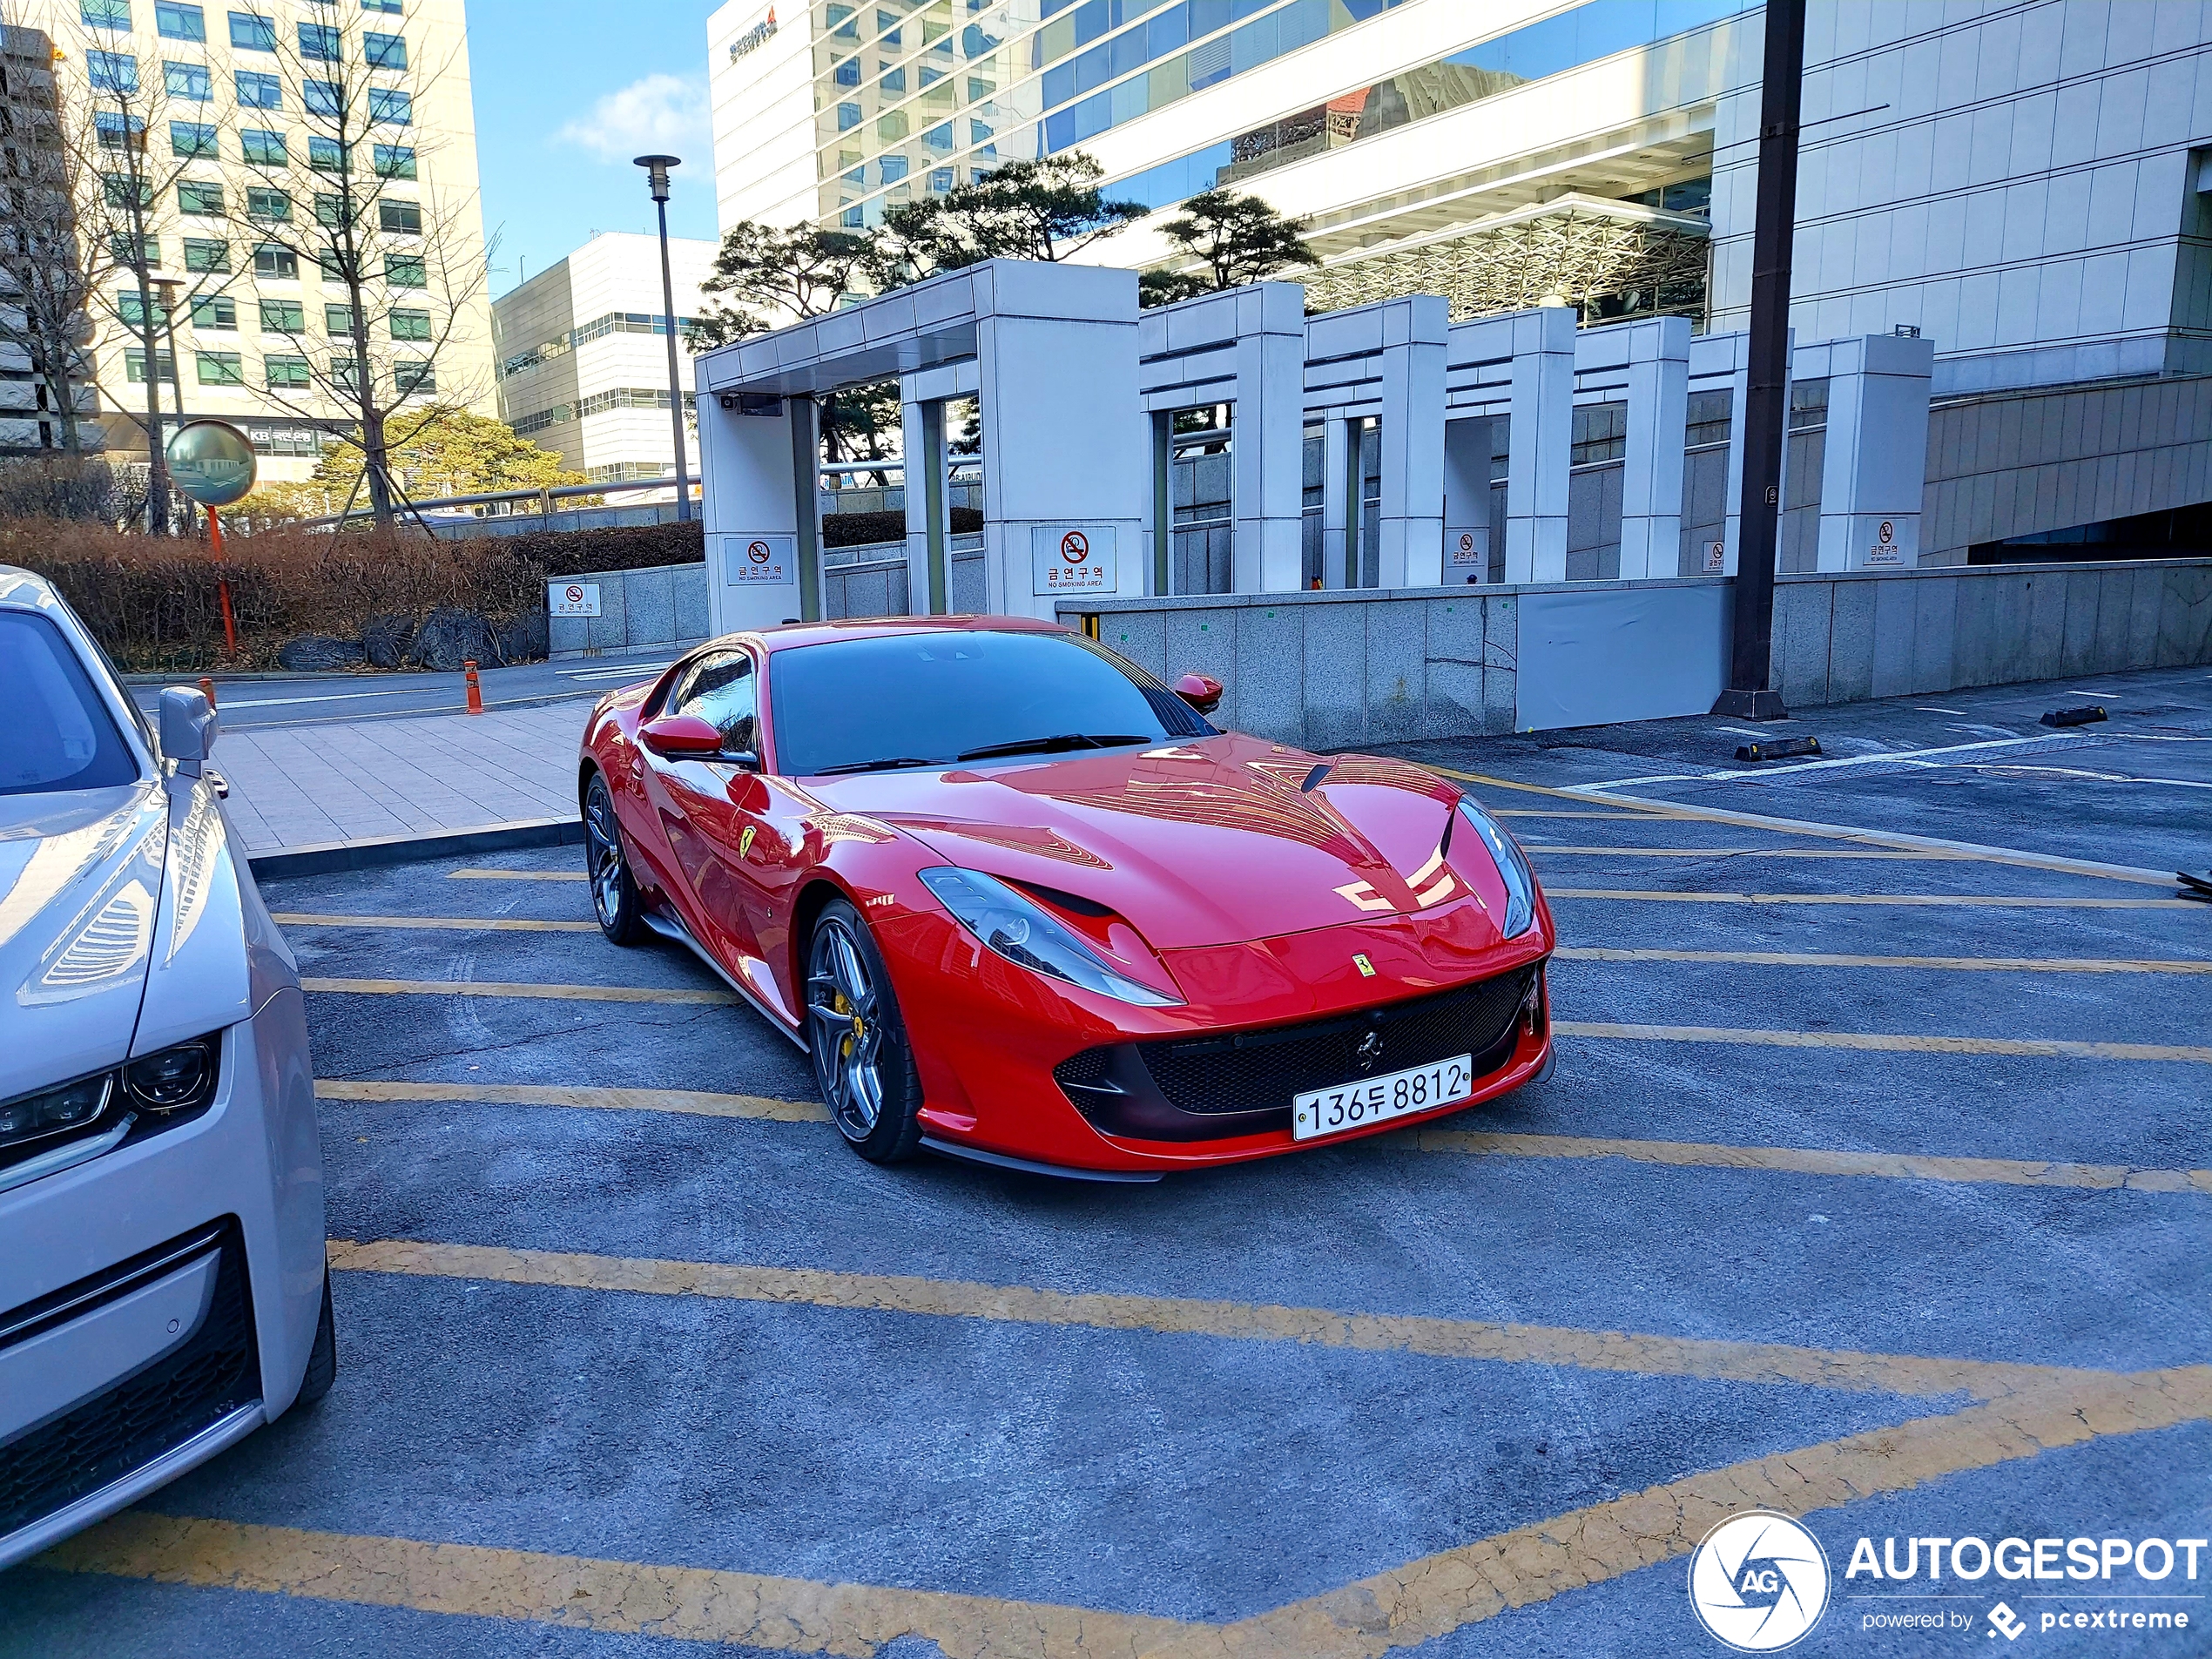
658 114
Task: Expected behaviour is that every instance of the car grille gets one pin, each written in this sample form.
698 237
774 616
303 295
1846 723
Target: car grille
145 1415
1192 1088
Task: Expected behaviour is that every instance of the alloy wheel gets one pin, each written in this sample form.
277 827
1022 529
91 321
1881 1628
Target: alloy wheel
605 848
845 1028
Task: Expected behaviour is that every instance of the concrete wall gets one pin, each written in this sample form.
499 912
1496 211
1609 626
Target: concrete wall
1853 634
1339 670
2015 465
574 518
664 606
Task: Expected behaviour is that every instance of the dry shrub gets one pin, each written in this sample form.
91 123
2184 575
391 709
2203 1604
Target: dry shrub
154 602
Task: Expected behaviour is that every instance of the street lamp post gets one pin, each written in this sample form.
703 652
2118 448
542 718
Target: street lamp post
165 297
657 175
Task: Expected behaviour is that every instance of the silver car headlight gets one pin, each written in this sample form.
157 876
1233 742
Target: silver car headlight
1026 935
1512 869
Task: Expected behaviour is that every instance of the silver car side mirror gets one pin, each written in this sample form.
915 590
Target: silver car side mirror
188 725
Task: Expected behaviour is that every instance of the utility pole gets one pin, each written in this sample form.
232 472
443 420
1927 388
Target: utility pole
1750 694
657 175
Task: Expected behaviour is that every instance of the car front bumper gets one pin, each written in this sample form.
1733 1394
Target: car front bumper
158 1302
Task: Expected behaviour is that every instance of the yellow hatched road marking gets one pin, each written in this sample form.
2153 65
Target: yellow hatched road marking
1599 795
1969 899
1885 1042
1816 959
516 875
512 988
451 924
1399 1608
1794 1160
688 1101
1437 1337
1909 1166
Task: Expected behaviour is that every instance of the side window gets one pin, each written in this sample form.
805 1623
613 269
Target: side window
720 689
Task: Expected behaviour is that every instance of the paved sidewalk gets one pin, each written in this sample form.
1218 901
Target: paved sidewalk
313 786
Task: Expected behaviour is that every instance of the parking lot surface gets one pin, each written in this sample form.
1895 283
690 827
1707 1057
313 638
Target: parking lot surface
1874 1185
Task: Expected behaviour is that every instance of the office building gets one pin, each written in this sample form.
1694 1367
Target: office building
2015 180
221 103
42 374
584 356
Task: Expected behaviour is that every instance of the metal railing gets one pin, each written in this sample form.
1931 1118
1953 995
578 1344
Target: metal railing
544 497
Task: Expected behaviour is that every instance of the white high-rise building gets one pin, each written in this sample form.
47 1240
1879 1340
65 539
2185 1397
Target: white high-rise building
2017 180
584 356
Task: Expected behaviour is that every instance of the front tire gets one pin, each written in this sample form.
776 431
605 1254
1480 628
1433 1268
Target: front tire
615 900
863 1058
322 1356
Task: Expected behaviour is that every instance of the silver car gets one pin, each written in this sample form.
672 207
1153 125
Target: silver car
162 1291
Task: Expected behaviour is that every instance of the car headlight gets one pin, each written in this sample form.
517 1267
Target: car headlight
1022 932
167 1084
173 1079
1512 869
51 1111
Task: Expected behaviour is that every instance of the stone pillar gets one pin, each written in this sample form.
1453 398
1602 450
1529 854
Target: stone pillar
1266 436
1651 478
747 475
1340 497
1543 432
1876 466
922 427
1412 516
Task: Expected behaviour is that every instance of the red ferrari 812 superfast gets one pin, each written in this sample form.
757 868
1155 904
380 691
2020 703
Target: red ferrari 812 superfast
1023 903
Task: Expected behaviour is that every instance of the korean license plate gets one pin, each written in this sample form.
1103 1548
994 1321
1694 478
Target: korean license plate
1374 1100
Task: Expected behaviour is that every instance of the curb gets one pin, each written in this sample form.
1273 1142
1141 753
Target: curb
412 849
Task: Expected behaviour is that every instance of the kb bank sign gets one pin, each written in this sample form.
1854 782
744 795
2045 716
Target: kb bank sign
1760 1582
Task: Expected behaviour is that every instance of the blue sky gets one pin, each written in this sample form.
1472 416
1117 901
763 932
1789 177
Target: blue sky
567 92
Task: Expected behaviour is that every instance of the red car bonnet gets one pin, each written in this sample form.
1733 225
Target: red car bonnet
1199 844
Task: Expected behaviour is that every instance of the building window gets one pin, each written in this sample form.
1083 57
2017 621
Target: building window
392 6
119 132
401 218
319 41
106 13
326 155
252 33
323 98
203 254
267 206
134 366
410 378
274 261
187 81
384 51
259 91
131 306
286 372
848 72
215 311
894 167
940 181
196 197
329 210
283 317
147 251
338 320
111 71
332 264
410 325
193 140
345 374
221 368
390 108
174 22
393 160
406 271
262 148
848 116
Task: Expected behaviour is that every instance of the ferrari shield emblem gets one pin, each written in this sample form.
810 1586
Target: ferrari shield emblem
745 841
1366 968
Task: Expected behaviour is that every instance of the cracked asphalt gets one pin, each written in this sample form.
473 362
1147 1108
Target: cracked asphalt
624 1375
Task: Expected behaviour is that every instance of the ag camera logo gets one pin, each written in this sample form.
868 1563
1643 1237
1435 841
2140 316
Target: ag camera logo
1759 1581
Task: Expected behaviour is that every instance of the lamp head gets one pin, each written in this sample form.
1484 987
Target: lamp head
657 173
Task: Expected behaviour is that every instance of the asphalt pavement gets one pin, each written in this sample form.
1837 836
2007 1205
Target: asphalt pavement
1874 1184
316 699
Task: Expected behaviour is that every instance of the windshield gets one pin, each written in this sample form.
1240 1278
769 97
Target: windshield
933 698
58 733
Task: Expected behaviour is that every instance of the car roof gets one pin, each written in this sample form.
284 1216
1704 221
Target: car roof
22 589
792 634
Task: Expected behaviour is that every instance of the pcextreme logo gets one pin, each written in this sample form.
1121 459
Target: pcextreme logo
1759 1581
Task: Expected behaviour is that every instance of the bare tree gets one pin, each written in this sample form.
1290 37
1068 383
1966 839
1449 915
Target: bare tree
349 202
46 286
131 141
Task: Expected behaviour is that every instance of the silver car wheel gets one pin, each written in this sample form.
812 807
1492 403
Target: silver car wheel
604 849
845 1029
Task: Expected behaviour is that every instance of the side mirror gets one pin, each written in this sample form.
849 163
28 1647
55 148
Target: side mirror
1201 691
681 737
188 725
